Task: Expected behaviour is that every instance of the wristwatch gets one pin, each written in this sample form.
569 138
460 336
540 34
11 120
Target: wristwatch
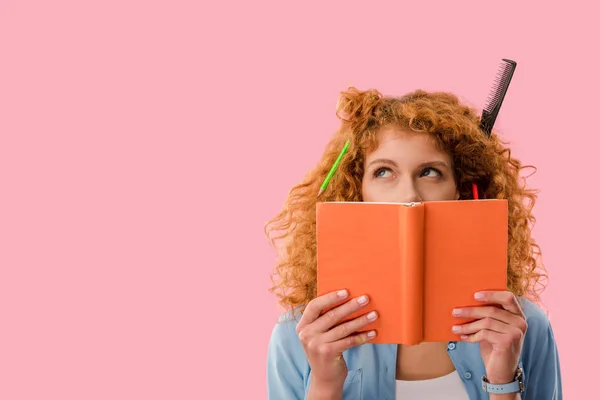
516 386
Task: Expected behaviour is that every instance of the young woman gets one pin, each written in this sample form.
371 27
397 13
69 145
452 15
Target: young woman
420 147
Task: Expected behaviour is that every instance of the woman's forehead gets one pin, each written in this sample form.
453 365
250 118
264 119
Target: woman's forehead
394 142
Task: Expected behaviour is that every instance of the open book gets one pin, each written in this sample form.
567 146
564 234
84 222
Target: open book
416 261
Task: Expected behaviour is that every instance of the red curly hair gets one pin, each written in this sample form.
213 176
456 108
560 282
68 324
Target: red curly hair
475 156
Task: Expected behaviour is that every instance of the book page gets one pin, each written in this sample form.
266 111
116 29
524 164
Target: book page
465 252
361 247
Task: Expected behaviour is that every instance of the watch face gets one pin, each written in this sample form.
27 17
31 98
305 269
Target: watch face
519 378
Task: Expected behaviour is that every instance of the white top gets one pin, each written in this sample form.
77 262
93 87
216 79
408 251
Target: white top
447 387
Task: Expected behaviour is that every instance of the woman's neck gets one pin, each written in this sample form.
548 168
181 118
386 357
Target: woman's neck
423 361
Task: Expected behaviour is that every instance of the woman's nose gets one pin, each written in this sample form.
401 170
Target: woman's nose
407 192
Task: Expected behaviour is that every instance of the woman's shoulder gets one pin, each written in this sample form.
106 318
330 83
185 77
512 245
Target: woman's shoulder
284 331
539 355
288 321
537 319
540 335
284 344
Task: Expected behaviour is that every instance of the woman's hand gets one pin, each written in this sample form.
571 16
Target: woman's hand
499 331
324 339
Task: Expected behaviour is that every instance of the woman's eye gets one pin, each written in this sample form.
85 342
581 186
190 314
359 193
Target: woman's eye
381 172
431 172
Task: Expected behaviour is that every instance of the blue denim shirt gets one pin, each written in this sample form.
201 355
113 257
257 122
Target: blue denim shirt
372 367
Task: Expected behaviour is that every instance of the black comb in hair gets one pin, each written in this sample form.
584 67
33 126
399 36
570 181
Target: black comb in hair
496 96
494 102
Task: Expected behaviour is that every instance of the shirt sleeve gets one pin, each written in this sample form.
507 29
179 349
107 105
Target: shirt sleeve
286 363
545 381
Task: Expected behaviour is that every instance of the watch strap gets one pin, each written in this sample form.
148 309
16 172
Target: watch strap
512 387
516 386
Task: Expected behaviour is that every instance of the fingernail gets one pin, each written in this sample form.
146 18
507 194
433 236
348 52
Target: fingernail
371 334
456 329
362 300
342 293
464 337
456 311
479 296
372 315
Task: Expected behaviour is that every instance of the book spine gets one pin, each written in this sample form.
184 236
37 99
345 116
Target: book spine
412 274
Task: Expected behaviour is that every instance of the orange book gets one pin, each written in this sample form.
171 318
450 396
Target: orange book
416 261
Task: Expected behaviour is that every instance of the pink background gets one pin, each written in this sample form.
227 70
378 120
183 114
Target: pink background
143 146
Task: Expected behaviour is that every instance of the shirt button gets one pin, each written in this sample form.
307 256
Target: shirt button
451 346
467 375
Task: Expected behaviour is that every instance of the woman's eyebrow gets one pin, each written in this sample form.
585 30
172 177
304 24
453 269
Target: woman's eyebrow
383 161
432 163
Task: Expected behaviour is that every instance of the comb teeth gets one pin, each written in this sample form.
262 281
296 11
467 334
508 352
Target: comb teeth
501 82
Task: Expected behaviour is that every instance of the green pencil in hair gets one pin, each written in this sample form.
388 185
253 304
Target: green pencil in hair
334 168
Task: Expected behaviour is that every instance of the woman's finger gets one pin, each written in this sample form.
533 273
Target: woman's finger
353 340
350 327
506 299
489 324
315 307
496 339
491 312
334 316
